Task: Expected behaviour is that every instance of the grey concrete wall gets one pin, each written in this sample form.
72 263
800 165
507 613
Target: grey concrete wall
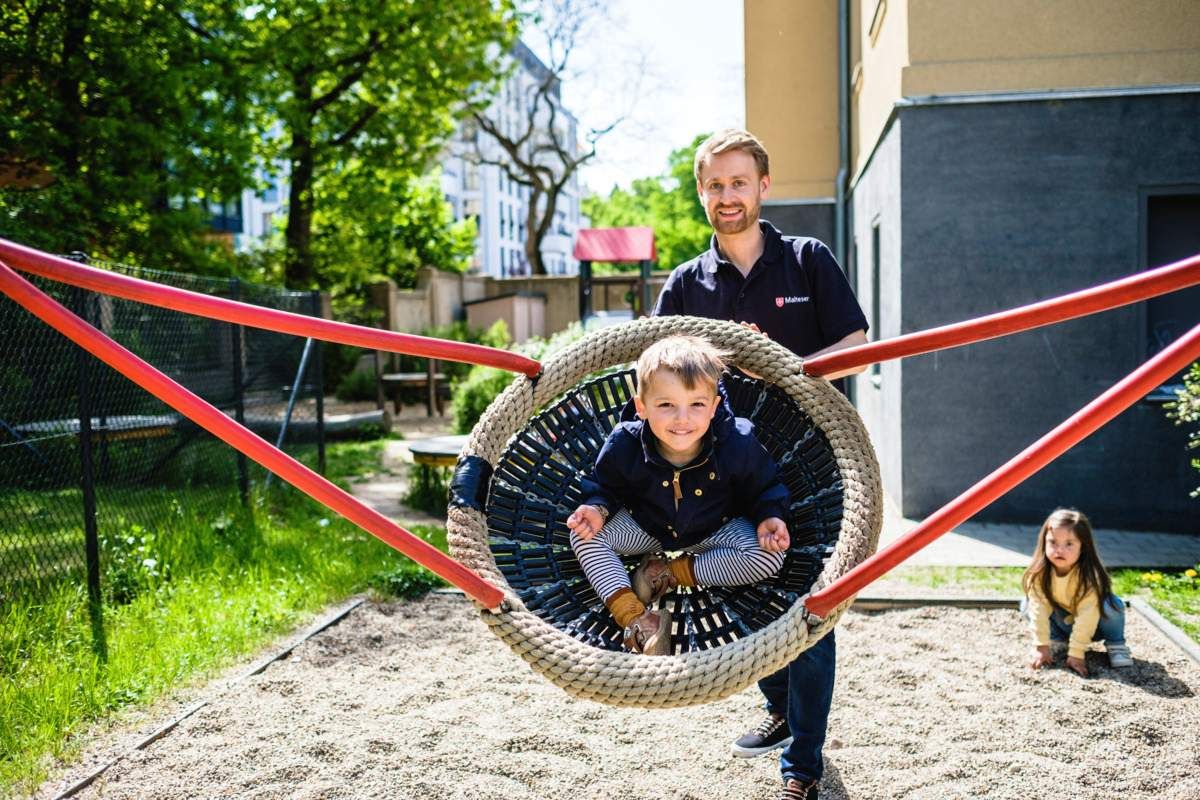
801 219
876 201
1009 203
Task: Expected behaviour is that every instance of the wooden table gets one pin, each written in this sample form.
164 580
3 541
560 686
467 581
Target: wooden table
398 381
437 451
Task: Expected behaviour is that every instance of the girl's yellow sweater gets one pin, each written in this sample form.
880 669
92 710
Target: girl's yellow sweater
1082 616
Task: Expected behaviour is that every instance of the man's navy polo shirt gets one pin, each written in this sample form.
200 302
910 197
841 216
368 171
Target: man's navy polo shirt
796 293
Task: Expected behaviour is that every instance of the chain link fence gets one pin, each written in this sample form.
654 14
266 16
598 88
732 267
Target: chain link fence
86 454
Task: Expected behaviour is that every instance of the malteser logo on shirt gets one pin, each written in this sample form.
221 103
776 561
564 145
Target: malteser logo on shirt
780 302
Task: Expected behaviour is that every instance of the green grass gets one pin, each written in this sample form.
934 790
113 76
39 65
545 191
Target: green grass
1174 594
184 598
1001 581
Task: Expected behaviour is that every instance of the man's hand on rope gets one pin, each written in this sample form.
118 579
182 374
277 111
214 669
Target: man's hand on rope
773 535
752 326
586 521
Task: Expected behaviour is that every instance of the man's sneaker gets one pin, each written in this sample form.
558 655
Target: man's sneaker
771 733
798 790
650 633
1118 656
652 579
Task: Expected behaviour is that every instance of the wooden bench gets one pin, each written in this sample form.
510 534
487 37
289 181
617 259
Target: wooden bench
435 390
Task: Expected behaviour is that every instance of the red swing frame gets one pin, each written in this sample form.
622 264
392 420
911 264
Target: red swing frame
1087 420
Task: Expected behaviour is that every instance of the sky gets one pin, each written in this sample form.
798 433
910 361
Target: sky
671 68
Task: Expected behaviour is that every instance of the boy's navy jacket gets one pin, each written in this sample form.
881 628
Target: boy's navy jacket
733 476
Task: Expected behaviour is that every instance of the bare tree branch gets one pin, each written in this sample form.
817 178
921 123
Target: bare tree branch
543 154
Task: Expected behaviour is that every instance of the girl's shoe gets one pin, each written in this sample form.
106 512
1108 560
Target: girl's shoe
1118 656
652 579
650 633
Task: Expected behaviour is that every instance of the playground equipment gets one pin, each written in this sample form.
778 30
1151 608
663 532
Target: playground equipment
509 496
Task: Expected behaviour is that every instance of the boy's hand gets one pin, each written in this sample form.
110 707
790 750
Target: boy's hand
1077 665
585 522
773 535
1041 657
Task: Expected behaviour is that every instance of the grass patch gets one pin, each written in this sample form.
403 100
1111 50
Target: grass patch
184 597
1000 581
1173 593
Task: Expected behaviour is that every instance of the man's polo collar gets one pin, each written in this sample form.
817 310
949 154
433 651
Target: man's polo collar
773 248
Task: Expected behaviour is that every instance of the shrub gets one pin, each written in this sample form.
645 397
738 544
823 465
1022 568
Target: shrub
479 388
132 562
357 385
1187 410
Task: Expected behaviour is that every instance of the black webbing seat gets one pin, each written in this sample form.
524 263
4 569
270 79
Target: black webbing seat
535 487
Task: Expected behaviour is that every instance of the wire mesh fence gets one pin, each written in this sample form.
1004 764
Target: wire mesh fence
87 456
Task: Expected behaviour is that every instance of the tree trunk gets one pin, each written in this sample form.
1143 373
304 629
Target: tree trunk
298 260
534 234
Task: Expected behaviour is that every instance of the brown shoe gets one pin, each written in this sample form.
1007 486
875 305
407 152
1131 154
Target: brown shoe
652 579
795 790
650 633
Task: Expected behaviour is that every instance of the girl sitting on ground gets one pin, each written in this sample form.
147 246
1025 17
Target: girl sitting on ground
685 476
1069 600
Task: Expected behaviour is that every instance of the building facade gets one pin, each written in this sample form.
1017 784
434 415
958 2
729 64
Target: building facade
499 205
969 158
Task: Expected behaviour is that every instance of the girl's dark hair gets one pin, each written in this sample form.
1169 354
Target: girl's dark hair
1092 575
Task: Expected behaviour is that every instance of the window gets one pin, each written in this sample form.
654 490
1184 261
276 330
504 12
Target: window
1171 231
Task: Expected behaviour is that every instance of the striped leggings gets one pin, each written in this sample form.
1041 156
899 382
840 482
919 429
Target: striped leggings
730 557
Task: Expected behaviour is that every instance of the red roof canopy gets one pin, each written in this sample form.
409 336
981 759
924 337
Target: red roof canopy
615 244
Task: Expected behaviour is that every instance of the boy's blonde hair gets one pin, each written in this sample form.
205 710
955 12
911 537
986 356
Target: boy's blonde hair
692 359
732 139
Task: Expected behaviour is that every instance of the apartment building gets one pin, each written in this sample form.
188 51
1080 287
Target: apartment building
967 157
499 204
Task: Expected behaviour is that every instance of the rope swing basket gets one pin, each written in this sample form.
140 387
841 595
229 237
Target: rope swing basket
518 480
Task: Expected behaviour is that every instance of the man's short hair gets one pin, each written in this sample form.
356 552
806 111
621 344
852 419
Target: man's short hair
692 359
732 139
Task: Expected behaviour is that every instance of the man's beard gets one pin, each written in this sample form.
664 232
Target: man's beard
743 223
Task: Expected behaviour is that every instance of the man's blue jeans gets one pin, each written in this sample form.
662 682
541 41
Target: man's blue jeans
803 692
1110 629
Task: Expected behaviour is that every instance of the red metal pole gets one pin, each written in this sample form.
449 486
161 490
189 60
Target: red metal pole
1088 419
98 280
212 420
1121 292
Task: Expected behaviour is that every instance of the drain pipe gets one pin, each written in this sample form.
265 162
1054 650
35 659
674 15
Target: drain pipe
841 237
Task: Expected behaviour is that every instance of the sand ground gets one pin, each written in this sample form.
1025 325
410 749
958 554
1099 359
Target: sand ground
418 700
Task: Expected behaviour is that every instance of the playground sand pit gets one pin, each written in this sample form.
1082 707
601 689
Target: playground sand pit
418 700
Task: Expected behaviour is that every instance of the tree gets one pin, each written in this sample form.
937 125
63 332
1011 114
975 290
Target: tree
363 89
120 119
399 225
1186 409
539 149
666 202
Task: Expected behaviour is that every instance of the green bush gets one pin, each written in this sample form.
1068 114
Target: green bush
479 388
357 385
1187 410
132 562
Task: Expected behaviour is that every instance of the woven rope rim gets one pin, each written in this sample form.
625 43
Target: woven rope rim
626 679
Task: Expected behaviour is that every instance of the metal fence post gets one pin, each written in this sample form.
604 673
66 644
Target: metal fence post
319 384
239 394
91 537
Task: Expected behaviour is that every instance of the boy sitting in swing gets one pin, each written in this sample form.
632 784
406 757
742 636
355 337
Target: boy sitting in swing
685 476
